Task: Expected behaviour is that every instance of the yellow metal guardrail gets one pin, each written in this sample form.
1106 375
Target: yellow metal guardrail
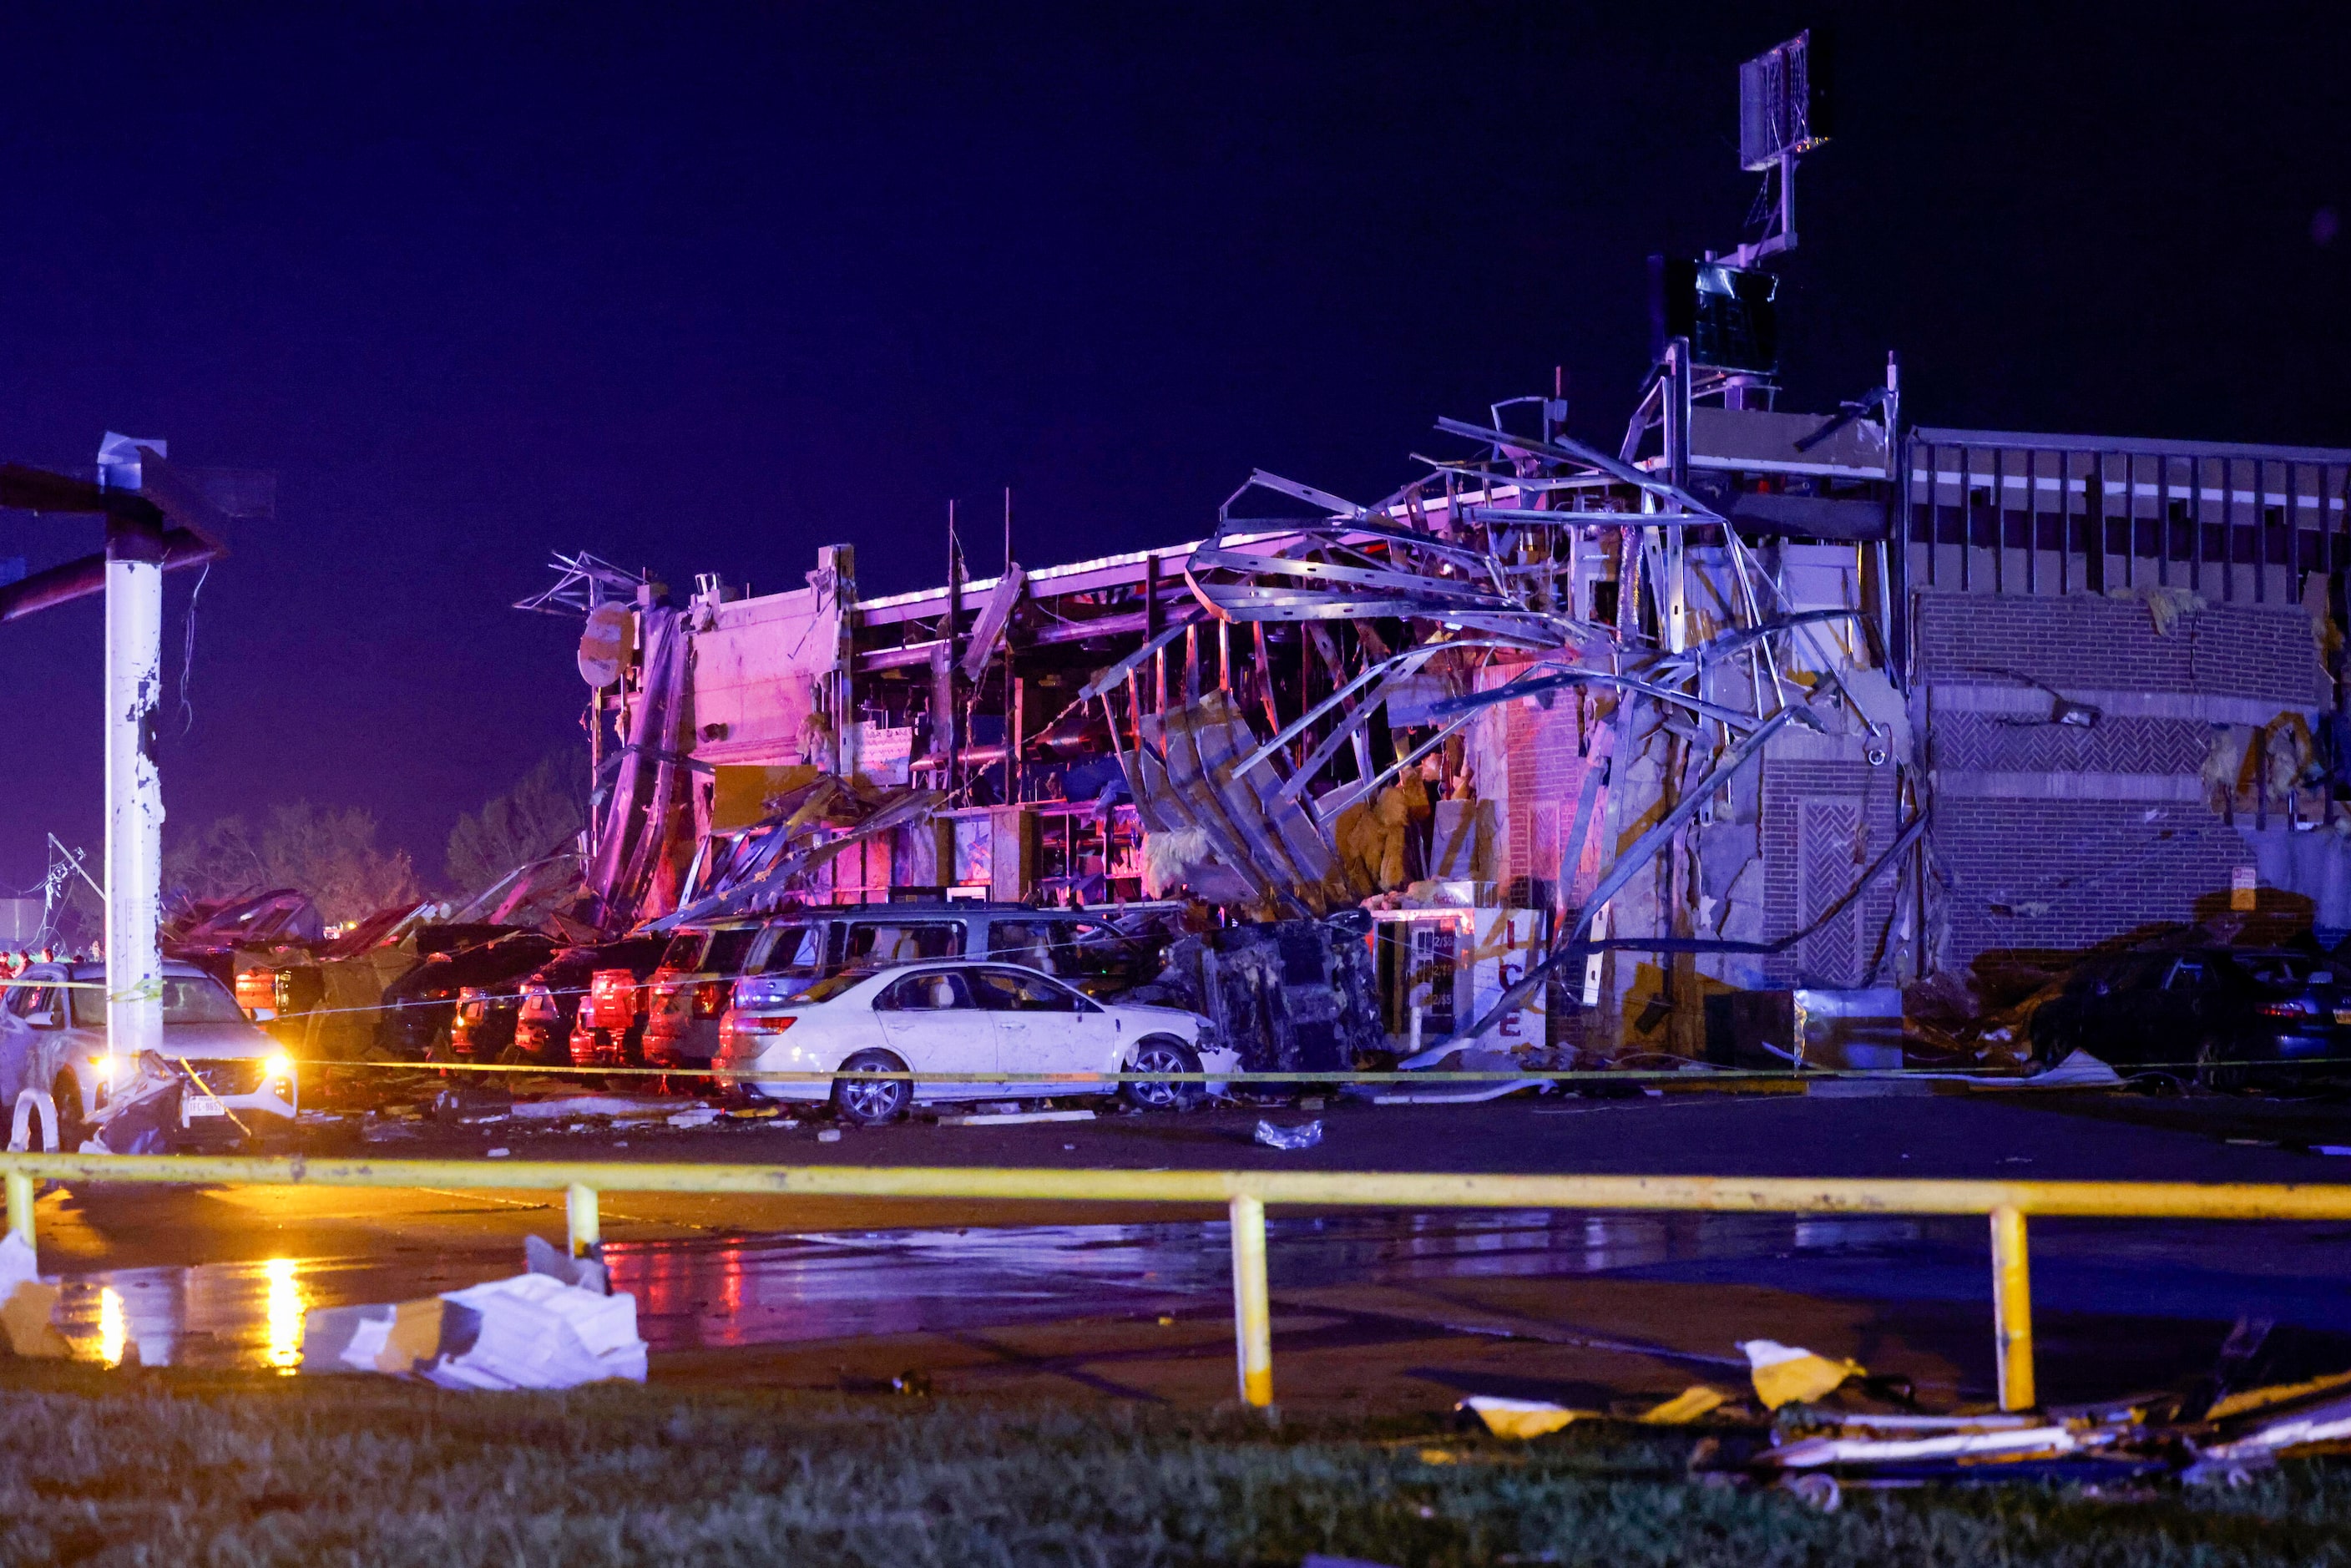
1245 1194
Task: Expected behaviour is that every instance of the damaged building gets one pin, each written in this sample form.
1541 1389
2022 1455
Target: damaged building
1763 702
1712 744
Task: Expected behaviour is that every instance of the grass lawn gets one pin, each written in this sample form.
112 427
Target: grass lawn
161 1467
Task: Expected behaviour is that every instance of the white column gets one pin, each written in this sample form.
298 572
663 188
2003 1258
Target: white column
134 787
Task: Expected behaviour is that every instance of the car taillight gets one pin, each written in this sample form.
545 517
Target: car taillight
710 999
735 1026
2294 1009
537 1002
256 990
611 999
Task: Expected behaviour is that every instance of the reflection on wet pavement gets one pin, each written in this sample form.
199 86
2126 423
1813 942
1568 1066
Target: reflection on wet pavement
765 1289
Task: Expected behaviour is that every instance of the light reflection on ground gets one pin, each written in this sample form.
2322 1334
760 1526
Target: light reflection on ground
765 1289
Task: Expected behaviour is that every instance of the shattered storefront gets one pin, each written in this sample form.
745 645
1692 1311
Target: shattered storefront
1708 744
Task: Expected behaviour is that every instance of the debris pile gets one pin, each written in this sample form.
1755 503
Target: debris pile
556 1326
1816 1426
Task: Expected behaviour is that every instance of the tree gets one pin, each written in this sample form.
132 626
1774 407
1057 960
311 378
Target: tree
331 855
547 807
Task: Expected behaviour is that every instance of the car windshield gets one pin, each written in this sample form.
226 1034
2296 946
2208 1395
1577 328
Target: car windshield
189 999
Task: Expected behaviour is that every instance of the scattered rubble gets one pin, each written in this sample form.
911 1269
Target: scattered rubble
558 1326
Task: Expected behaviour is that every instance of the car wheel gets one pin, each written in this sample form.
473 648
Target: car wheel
1162 1054
869 1102
73 1125
2217 1068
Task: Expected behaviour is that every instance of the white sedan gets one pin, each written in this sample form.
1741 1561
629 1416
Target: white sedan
54 1022
953 1018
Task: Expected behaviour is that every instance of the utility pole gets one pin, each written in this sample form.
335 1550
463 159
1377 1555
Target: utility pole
134 787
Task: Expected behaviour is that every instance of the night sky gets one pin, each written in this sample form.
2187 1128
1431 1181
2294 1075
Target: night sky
703 291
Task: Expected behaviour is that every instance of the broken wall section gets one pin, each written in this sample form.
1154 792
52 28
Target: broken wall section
2059 835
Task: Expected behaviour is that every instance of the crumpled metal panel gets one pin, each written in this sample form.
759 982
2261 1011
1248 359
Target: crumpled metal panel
640 825
797 849
1184 777
1290 996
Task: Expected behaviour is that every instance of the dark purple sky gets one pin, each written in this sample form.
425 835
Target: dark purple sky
702 289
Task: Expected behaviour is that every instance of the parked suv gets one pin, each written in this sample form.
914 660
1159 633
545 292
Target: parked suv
236 1075
690 993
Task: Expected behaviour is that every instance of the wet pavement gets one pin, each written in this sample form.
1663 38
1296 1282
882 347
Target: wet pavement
795 1288
737 1291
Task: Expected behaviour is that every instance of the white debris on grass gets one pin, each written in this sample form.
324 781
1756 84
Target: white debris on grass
1305 1136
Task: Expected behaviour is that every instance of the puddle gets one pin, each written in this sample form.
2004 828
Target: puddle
776 1289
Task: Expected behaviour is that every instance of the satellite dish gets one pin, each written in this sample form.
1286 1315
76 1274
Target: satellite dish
604 646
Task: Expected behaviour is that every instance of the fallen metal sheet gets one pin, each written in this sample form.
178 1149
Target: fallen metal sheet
639 826
783 874
995 615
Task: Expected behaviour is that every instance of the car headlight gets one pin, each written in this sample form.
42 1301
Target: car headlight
104 1064
278 1067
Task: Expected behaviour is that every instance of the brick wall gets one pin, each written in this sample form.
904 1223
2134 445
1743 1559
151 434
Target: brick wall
2053 838
1536 752
2225 650
1802 874
2063 875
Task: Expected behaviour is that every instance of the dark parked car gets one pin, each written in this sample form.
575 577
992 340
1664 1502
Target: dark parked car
2223 1014
420 1008
547 1003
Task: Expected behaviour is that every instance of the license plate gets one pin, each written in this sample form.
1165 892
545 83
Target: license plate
2342 1015
194 1105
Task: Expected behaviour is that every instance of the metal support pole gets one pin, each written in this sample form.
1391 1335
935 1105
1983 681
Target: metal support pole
2011 1295
134 789
20 1207
579 1212
1253 1315
1674 601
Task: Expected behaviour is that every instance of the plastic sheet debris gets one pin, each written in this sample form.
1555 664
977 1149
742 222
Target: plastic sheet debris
27 1302
1785 1374
699 1116
830 1136
1689 1405
1521 1418
2079 1071
1305 1136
